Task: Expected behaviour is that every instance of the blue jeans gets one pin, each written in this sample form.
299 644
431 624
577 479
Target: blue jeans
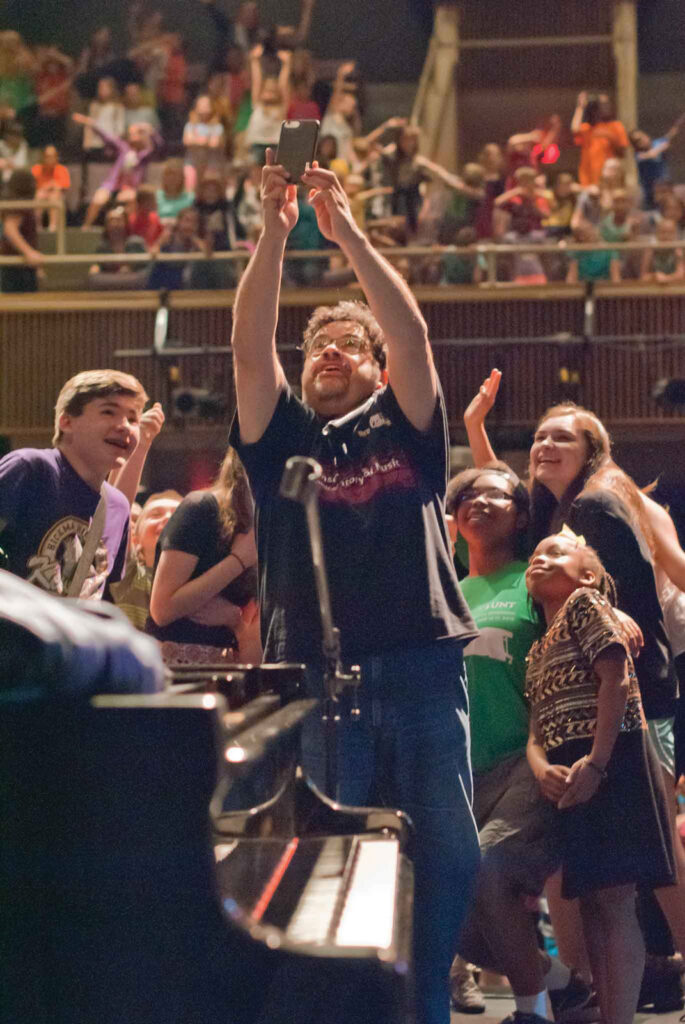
409 749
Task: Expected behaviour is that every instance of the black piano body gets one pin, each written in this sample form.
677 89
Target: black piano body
123 902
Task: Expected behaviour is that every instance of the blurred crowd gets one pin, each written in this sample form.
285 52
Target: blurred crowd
168 159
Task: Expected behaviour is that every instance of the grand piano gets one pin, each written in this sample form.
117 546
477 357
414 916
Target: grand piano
165 861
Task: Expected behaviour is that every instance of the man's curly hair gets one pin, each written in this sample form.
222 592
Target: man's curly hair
348 309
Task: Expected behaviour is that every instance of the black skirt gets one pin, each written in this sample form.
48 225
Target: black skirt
623 834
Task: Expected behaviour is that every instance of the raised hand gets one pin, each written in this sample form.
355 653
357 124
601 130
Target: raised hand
331 205
151 422
481 404
279 199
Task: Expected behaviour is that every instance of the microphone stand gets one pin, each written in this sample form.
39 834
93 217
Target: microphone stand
300 482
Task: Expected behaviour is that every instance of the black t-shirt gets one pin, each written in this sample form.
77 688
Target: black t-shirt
387 552
195 528
605 523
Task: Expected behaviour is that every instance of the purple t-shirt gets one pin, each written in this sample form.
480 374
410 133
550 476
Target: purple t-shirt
45 512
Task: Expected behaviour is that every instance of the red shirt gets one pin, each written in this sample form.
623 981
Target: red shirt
304 110
172 89
56 105
146 225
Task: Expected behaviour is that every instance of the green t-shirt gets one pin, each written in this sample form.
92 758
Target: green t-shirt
496 663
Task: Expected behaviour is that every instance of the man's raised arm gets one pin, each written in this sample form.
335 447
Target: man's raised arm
259 377
410 362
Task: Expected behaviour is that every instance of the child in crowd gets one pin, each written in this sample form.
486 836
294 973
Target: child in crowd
525 204
662 266
528 149
143 220
302 106
459 268
620 225
20 236
173 195
599 135
327 155
204 137
52 181
128 171
491 159
248 203
589 751
116 239
107 112
53 76
137 110
359 196
183 237
596 201
562 203
592 265
14 152
132 593
270 101
650 155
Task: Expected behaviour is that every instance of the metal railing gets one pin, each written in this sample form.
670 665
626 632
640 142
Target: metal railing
490 251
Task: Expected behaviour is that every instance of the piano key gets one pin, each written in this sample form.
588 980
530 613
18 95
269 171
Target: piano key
368 913
314 913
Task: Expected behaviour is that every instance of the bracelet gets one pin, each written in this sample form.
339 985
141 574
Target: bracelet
239 561
600 771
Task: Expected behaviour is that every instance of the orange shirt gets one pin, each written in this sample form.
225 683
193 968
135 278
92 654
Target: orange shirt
598 142
59 178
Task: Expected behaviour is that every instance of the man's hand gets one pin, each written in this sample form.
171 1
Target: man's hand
582 782
331 205
151 422
82 119
279 199
482 403
552 781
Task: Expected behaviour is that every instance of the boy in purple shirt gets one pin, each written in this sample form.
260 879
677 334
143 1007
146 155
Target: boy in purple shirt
128 170
48 496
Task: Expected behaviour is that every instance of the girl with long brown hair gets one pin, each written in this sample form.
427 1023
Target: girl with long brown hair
203 602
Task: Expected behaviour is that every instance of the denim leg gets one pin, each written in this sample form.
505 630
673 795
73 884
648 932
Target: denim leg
410 748
430 779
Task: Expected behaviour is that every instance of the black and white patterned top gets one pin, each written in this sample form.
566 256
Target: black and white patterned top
561 683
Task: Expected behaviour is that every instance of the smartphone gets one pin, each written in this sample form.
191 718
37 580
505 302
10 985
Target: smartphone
297 147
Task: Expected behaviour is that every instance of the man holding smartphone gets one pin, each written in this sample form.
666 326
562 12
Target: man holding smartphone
373 415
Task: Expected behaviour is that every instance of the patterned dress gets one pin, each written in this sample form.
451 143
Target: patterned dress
622 834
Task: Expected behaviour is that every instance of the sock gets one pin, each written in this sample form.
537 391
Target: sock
532 1004
558 975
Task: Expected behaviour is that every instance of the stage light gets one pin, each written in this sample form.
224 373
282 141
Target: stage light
197 402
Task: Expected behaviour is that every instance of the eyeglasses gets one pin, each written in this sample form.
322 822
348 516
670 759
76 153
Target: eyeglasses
492 494
348 344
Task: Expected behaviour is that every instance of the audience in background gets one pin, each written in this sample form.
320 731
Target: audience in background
219 126
52 181
598 134
20 236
